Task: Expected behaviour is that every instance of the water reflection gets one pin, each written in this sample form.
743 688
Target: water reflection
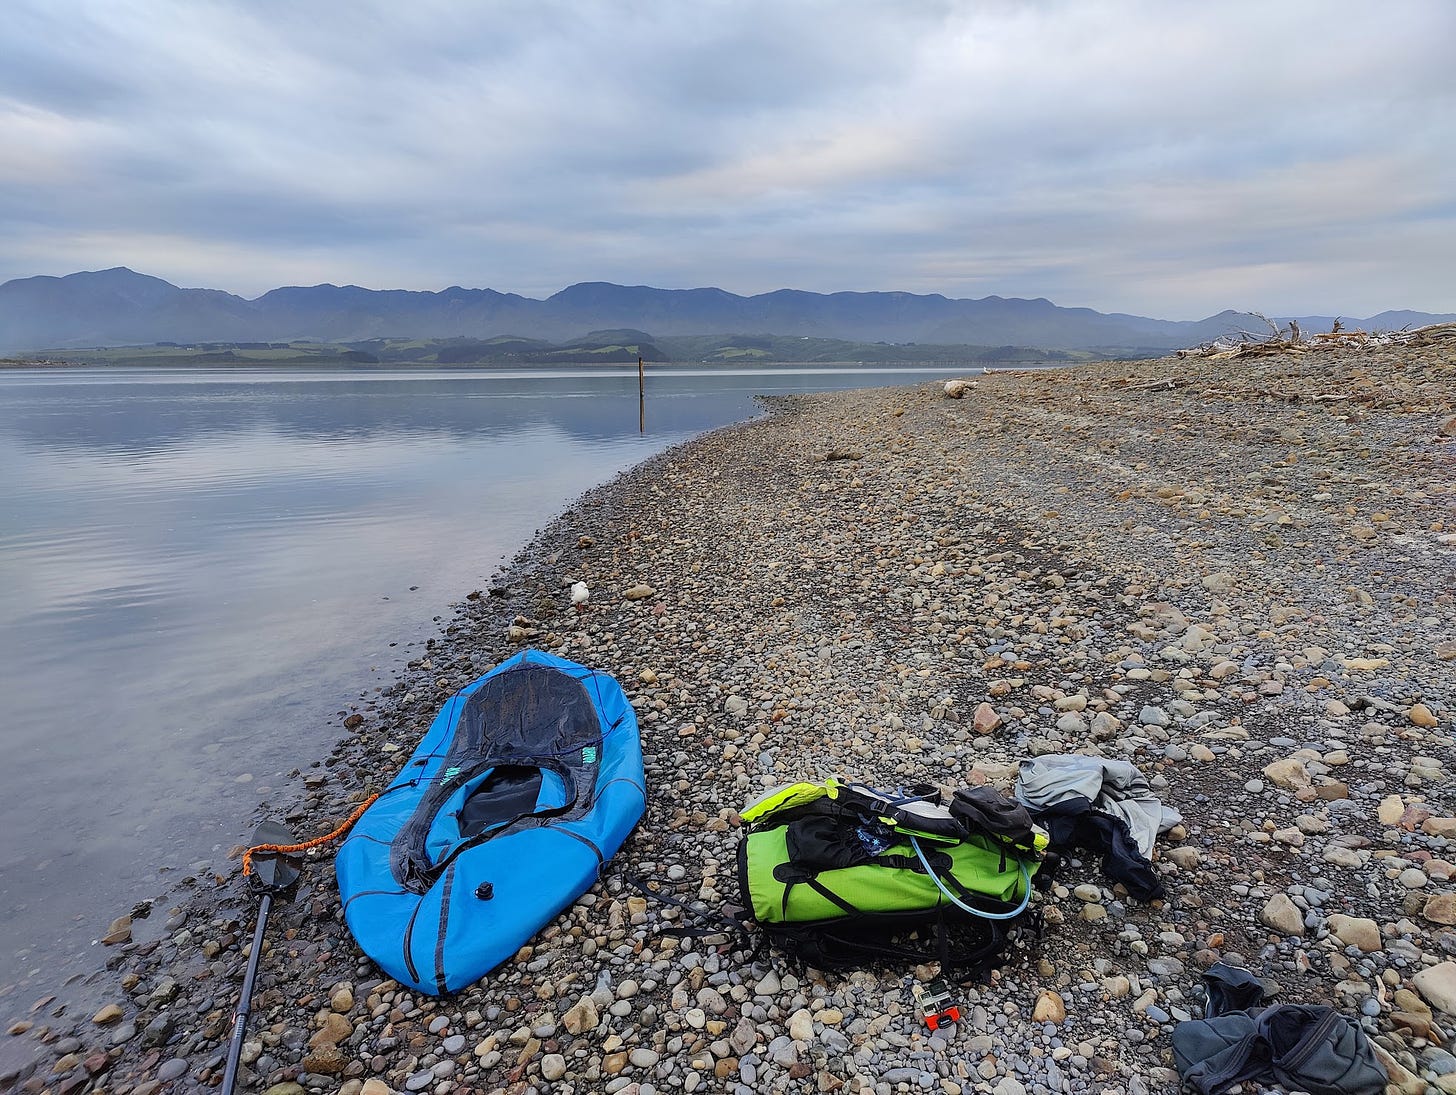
163 417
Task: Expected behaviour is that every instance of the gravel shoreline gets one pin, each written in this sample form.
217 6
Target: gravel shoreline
1239 575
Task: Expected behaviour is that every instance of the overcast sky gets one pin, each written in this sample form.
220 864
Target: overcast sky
1161 157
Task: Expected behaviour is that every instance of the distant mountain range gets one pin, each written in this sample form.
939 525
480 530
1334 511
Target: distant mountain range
120 307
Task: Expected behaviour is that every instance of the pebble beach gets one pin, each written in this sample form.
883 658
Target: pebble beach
1239 575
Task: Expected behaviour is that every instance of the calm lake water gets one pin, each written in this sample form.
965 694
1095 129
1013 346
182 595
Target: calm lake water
198 567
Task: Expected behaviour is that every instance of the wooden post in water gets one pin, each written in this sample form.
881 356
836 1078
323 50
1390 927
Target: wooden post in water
641 397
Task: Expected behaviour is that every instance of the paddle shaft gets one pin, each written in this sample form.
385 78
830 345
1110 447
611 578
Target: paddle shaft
245 1004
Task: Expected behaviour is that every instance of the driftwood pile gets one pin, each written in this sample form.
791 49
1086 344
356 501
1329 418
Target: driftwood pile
1291 340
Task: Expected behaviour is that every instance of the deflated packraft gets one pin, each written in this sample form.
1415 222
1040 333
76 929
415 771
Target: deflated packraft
526 783
842 874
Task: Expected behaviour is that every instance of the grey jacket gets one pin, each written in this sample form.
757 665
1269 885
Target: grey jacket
1112 786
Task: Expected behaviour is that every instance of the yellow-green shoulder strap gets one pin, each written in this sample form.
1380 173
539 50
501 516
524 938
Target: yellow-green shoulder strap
784 798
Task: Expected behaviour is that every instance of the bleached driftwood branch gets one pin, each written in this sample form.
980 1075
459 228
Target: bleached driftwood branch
1292 340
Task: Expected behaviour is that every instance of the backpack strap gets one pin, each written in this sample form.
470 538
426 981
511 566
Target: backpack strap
782 799
917 811
836 945
709 921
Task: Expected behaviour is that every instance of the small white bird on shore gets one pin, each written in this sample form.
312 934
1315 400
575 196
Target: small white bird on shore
580 594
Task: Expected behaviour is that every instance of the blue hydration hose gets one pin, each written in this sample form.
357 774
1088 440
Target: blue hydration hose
1025 880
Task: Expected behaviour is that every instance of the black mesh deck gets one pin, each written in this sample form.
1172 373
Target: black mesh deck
530 717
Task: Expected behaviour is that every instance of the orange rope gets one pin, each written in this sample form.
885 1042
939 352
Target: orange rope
285 849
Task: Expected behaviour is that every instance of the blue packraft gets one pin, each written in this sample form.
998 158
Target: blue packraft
526 783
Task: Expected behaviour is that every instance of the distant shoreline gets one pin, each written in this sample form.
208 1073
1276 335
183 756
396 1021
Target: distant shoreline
40 363
462 366
604 347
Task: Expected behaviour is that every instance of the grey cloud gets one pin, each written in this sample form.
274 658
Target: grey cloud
1097 153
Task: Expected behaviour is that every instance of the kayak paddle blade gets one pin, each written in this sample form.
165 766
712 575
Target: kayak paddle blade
274 872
